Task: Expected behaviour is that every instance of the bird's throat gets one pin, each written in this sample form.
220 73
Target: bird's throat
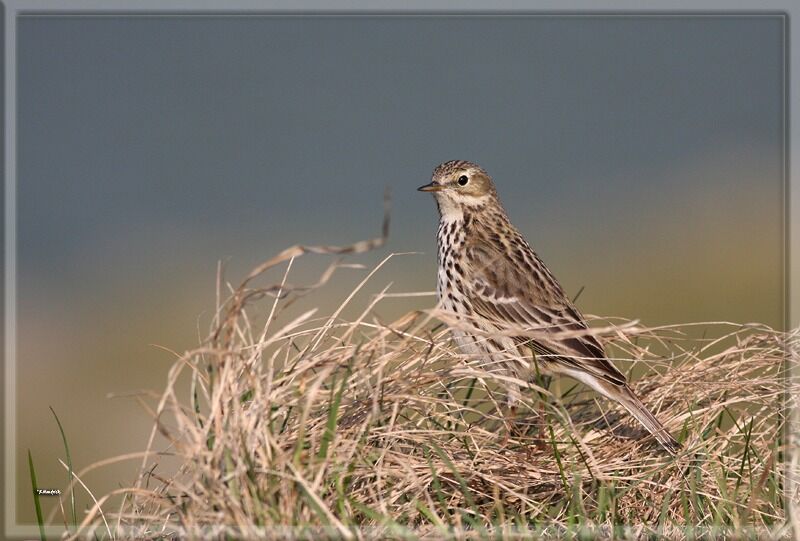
449 210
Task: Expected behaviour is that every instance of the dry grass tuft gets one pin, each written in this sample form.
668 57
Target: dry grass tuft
363 429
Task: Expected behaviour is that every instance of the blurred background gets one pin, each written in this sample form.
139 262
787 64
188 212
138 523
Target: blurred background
642 157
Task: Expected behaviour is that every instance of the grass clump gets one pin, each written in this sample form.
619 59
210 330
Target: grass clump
309 427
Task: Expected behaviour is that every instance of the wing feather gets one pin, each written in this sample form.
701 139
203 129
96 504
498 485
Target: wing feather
504 294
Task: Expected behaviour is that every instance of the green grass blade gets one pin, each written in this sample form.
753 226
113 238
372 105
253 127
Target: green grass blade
36 502
386 522
430 515
470 390
435 483
313 504
69 471
333 418
557 456
462 483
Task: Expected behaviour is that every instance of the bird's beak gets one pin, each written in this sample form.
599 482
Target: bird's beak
431 188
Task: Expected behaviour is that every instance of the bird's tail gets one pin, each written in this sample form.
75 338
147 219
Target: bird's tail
631 402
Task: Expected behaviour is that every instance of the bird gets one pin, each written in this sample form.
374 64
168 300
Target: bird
493 284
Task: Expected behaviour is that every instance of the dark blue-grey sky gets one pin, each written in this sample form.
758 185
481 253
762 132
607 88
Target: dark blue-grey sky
642 156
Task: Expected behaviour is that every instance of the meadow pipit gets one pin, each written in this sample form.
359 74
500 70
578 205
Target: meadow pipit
493 283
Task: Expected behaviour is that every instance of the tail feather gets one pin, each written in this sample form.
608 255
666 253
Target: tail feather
624 395
635 407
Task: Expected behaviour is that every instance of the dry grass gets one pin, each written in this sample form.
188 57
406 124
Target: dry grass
363 429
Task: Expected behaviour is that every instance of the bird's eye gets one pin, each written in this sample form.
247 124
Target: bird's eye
462 180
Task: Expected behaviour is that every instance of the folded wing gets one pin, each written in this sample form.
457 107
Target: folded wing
527 296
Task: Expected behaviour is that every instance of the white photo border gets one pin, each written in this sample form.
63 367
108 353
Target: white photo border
788 10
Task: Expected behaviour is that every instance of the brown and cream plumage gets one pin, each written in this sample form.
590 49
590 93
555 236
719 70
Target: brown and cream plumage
494 283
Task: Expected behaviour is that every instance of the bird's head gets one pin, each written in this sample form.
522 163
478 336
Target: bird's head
460 184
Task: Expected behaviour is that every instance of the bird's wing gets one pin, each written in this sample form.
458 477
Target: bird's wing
508 292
